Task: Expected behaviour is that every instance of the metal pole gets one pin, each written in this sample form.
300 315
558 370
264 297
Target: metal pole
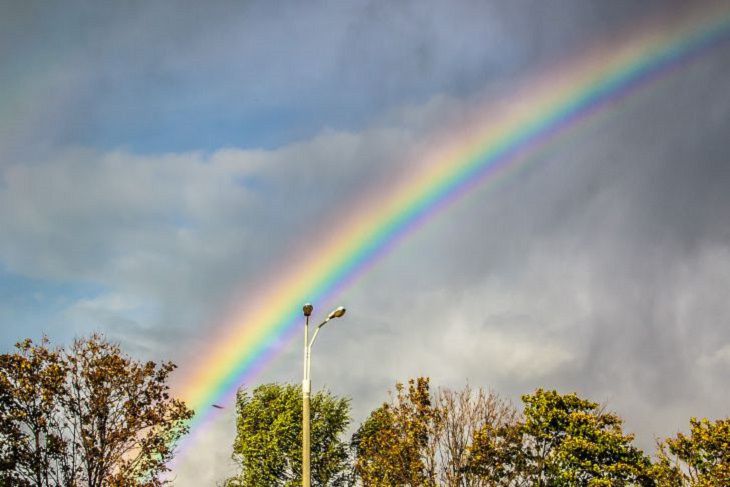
306 389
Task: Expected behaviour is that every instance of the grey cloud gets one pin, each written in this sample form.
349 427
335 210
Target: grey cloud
602 268
178 68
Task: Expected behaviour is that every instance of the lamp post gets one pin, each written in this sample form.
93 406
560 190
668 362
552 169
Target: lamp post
307 388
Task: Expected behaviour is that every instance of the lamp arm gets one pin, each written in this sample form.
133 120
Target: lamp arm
316 332
308 362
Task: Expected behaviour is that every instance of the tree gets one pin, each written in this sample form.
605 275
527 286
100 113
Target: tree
33 450
701 458
89 415
562 440
462 415
420 438
496 456
393 446
268 444
121 410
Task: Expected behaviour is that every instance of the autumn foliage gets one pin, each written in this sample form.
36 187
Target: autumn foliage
85 416
393 444
89 415
473 438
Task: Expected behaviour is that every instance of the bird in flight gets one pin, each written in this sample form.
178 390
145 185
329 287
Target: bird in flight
217 406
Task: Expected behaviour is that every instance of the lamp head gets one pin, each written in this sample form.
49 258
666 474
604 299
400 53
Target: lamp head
337 313
307 309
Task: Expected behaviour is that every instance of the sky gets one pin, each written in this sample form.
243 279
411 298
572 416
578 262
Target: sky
160 161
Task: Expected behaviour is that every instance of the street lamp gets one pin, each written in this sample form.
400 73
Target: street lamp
307 387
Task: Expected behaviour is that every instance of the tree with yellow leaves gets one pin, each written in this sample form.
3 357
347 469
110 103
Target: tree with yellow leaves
392 445
700 459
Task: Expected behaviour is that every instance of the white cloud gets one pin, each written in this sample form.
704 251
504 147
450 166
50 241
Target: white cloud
720 357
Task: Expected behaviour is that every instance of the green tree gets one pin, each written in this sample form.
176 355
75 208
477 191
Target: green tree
268 444
562 440
87 415
700 459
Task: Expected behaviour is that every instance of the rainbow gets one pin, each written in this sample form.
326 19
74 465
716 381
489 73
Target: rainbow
480 152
